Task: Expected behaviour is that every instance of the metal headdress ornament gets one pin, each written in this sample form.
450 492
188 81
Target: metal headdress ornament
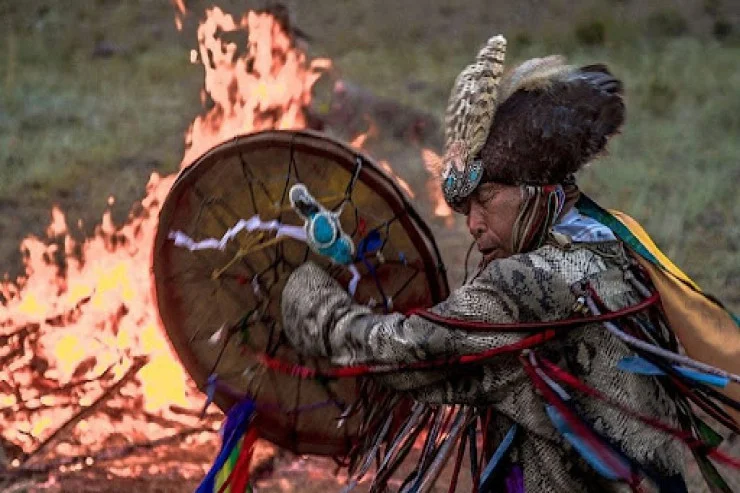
468 119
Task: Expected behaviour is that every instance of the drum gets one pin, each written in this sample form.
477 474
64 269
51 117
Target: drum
219 295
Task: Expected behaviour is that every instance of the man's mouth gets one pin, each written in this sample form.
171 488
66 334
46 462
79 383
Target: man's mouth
489 252
486 251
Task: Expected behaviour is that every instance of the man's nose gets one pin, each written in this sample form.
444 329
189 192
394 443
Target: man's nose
475 222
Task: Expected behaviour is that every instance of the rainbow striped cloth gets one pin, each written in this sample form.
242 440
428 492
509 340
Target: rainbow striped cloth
230 470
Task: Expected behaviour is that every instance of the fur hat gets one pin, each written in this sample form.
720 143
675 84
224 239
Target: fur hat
536 125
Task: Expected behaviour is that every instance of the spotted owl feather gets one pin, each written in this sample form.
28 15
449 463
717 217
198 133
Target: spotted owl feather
473 100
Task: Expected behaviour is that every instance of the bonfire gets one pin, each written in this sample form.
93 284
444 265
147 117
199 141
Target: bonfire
88 380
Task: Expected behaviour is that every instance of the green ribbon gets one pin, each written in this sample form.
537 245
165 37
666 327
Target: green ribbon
589 208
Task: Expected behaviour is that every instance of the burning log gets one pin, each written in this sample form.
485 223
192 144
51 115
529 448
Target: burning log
85 305
34 404
136 365
28 470
61 391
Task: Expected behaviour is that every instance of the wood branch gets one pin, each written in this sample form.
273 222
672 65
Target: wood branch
126 450
23 406
196 413
53 320
29 409
136 365
162 421
68 316
14 353
20 486
114 453
21 333
32 328
16 347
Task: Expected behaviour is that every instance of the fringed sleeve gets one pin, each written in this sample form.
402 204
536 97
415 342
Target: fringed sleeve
320 318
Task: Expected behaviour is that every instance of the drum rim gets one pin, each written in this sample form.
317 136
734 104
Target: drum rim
318 144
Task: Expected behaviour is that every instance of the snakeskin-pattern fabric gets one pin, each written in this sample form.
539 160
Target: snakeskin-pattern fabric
321 320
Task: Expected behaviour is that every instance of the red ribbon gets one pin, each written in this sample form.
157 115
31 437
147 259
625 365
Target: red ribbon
306 372
532 326
580 429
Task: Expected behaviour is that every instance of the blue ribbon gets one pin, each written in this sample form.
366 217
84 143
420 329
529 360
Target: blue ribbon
500 453
641 366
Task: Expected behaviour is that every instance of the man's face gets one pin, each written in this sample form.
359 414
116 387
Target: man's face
491 212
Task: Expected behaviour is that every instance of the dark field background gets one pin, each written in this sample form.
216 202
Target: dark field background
97 94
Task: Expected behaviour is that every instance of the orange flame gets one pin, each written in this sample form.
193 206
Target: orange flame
180 14
359 141
400 181
58 226
83 311
96 313
267 86
433 164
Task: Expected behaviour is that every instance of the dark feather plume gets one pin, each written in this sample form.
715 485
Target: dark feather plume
541 136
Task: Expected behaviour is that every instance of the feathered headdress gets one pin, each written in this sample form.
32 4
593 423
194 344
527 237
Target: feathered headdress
536 125
468 119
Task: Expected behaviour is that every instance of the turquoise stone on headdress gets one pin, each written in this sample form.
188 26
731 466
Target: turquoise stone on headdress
473 175
460 184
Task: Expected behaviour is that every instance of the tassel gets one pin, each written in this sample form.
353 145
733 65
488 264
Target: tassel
400 445
210 393
428 451
234 442
696 392
595 457
711 475
515 480
592 447
498 456
370 455
641 366
665 354
708 439
709 472
473 439
444 450
240 473
458 462
381 481
223 478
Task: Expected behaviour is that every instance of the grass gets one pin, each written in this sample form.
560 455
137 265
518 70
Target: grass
677 163
70 123
66 114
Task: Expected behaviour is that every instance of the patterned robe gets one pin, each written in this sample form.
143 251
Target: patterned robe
321 320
